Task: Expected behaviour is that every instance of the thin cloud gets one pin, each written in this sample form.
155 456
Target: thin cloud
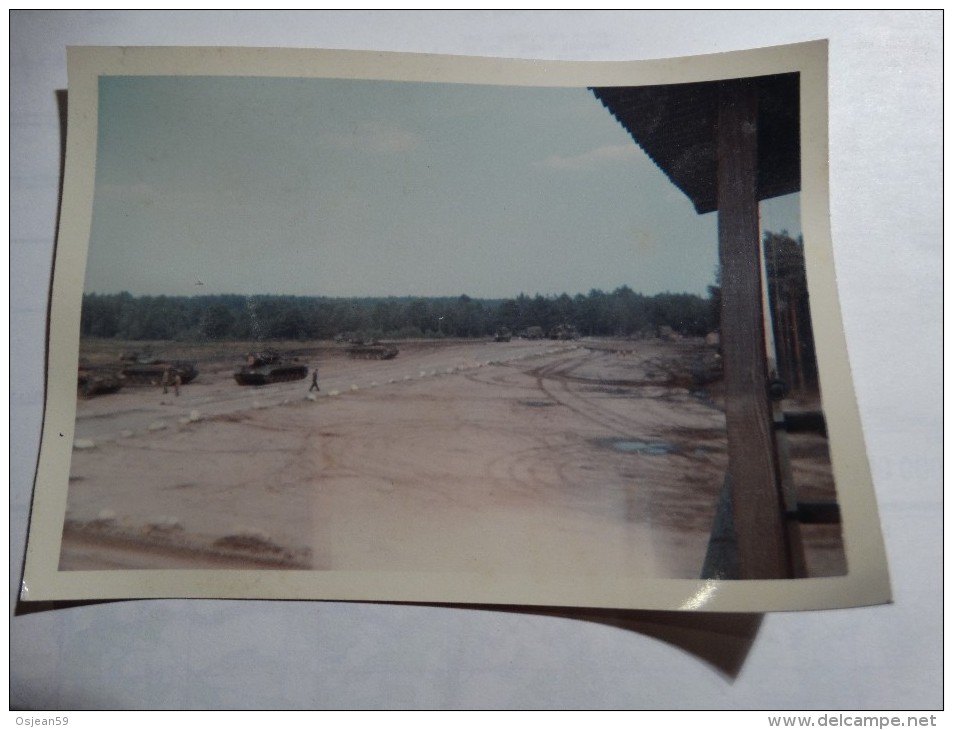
609 154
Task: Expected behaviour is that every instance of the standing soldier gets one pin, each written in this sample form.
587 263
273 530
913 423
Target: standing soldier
171 376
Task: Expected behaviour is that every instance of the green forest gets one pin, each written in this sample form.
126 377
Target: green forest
622 312
619 313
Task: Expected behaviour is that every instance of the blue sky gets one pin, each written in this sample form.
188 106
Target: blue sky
332 187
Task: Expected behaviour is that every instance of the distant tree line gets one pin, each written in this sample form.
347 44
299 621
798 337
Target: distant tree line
621 312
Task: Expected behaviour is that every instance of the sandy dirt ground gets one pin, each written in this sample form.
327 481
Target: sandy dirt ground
583 457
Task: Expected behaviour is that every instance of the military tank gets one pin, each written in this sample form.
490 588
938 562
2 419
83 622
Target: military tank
372 351
267 367
97 381
564 332
139 369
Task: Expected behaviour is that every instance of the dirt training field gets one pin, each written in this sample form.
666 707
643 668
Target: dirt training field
581 457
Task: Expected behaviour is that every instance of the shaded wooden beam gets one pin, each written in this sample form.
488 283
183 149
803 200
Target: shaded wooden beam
797 560
721 558
762 549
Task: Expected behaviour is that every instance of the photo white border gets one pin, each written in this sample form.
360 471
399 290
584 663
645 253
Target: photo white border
867 581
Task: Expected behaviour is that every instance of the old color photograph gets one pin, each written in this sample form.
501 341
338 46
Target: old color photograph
386 326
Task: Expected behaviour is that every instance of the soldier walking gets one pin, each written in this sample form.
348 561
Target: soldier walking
314 381
170 376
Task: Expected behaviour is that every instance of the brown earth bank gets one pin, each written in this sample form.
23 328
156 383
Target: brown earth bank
582 457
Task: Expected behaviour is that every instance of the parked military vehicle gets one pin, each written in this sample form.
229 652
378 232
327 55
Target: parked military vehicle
503 334
144 369
563 332
97 381
372 351
532 333
267 367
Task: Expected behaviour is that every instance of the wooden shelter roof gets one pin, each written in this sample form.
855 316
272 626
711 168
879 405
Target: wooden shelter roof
676 125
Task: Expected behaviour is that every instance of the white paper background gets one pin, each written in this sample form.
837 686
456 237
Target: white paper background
886 207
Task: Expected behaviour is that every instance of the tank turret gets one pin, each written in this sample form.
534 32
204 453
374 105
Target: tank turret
267 367
137 369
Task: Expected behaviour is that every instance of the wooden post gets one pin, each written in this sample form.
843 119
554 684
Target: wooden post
752 462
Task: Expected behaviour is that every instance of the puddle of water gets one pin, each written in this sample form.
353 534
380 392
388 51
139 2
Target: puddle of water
651 448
